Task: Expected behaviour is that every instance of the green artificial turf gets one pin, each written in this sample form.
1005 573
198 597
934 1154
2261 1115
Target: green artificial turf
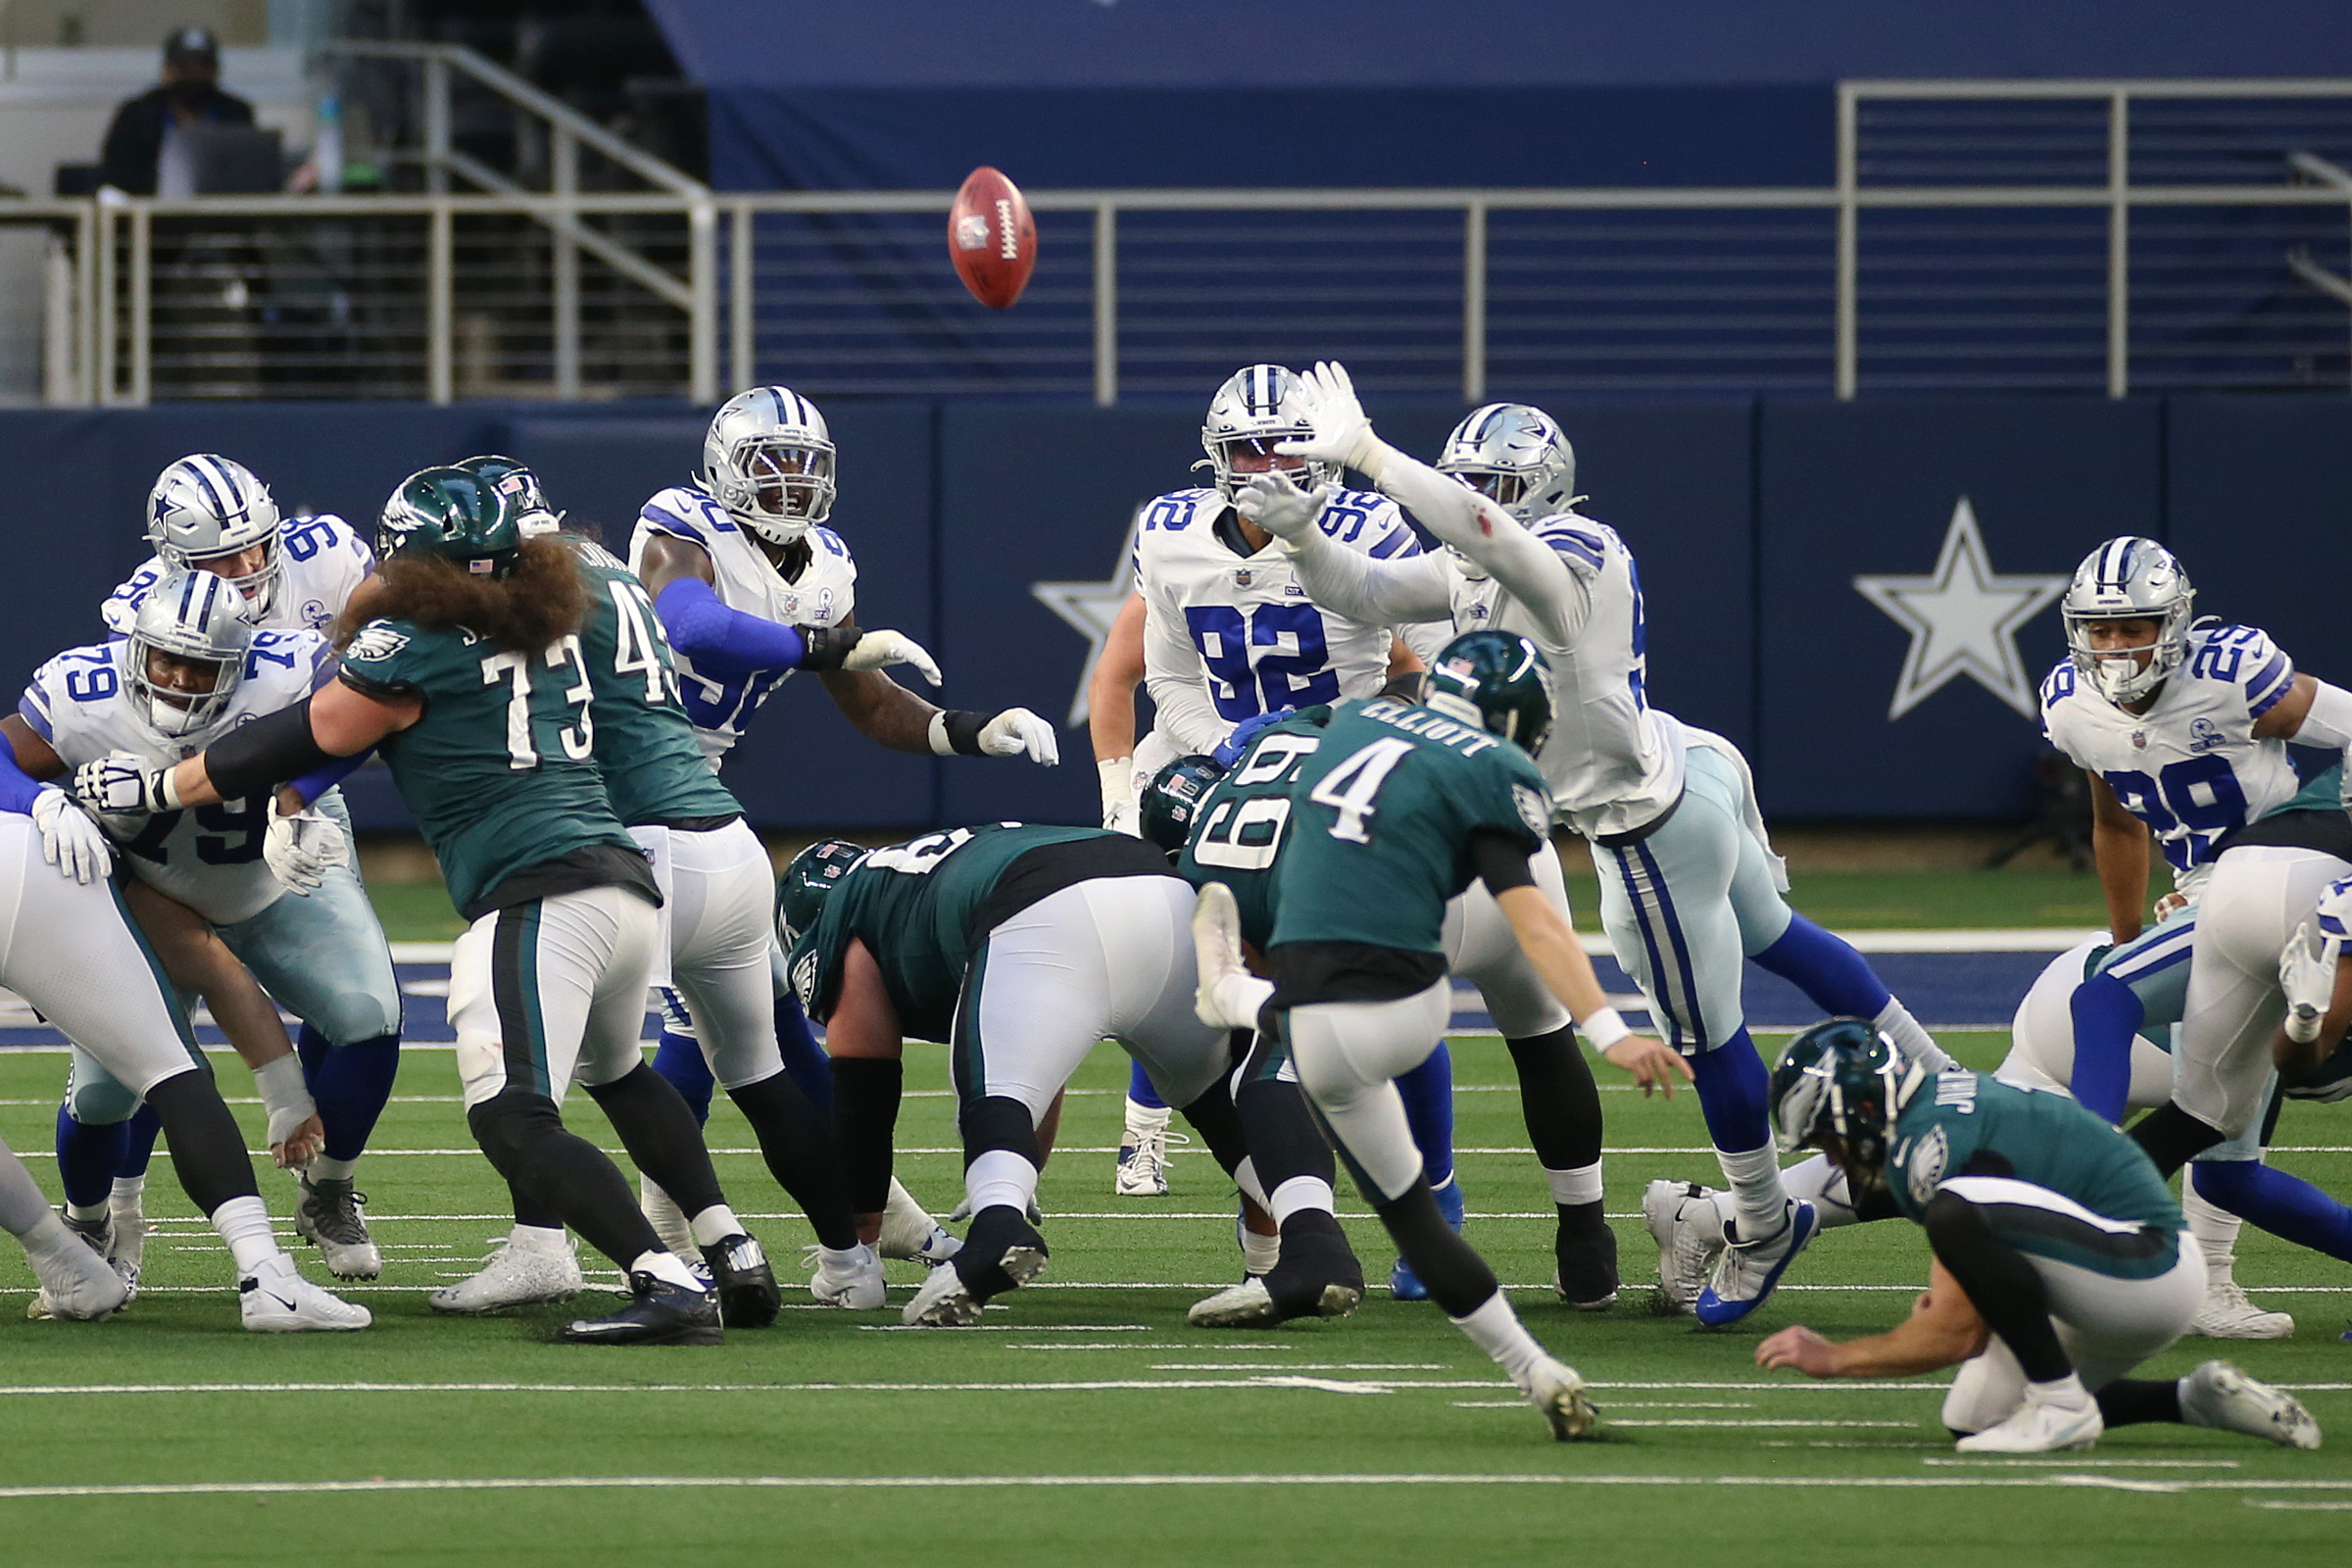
1395 1393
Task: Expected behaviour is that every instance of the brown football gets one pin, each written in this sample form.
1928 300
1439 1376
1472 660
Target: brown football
991 239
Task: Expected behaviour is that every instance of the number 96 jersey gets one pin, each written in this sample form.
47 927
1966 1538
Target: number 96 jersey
210 857
322 558
2190 767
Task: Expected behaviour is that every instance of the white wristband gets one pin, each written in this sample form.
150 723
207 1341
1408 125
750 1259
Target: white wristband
284 1096
940 746
1117 774
167 788
1604 1028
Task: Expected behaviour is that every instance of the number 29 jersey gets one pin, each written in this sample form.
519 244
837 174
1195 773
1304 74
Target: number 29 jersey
1260 643
824 595
324 559
208 857
2189 768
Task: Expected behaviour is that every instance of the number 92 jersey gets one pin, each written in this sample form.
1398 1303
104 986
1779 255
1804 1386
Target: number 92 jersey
824 595
324 560
1243 624
210 857
2189 768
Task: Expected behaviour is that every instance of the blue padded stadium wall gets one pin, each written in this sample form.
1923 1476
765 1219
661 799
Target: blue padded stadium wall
1751 520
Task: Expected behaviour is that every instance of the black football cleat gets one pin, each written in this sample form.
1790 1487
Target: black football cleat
1585 1249
659 1314
748 1295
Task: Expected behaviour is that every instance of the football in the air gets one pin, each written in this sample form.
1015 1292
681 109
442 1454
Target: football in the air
991 239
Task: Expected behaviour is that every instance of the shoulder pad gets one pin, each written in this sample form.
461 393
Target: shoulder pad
830 542
1170 513
377 640
2335 909
1580 541
2058 685
686 514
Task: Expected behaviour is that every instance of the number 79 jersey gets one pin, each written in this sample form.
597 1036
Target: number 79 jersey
2189 768
210 857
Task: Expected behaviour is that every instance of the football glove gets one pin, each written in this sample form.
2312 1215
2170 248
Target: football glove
1229 749
1343 435
69 840
1277 505
295 1135
1016 730
2307 974
303 848
122 784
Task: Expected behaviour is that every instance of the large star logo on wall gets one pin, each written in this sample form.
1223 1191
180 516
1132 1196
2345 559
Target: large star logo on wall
1963 619
1090 608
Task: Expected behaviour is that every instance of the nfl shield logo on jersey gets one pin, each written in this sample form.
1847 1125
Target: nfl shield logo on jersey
1242 577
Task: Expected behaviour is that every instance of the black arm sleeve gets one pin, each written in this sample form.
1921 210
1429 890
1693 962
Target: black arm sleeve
1500 858
264 754
2006 1292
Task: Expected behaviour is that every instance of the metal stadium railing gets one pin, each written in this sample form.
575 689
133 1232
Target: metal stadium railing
2065 235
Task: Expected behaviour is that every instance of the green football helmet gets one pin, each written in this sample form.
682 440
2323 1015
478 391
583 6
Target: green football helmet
456 513
808 881
1171 802
1842 1079
532 514
1498 682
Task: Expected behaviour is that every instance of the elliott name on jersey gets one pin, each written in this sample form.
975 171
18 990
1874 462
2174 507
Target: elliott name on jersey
2189 768
210 857
321 561
824 595
1262 644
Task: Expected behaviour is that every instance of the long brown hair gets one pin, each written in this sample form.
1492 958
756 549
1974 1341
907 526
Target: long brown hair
528 610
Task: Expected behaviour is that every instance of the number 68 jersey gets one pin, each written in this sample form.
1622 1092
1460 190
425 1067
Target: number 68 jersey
2190 767
208 857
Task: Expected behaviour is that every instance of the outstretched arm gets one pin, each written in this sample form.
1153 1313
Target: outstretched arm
1559 957
1942 1330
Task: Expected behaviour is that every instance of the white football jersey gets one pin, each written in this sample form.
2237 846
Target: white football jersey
208 857
1240 630
824 595
324 560
1613 761
2335 910
2189 768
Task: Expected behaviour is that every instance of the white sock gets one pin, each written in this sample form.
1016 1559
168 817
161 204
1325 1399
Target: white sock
538 1239
1145 1120
844 1257
714 1225
1759 1202
1894 1020
244 1224
128 1190
1000 1177
1823 1184
1496 1329
1300 1193
2215 1228
1579 1185
668 1268
2066 1390
1259 1252
86 1211
323 1169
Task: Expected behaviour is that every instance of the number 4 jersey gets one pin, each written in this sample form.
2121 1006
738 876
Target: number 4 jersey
2190 767
209 859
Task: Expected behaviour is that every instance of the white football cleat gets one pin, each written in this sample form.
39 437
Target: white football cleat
910 1235
522 1272
1246 1305
76 1283
275 1299
2218 1394
1687 1226
2226 1313
128 1250
2040 1426
332 1216
944 1301
669 1222
1553 1387
851 1279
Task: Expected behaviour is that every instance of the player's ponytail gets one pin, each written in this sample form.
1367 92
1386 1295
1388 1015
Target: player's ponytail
542 601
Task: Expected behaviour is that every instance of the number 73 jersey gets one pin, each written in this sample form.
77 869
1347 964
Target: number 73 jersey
208 857
2190 767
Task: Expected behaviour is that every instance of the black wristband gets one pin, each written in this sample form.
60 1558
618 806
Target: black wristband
963 728
258 757
827 646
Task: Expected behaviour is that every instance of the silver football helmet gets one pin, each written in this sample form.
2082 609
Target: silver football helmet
205 507
1258 405
768 459
2128 580
1514 455
199 619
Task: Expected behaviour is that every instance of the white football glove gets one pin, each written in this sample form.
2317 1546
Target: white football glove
1017 730
876 649
303 848
69 840
1341 434
120 784
1276 504
2307 974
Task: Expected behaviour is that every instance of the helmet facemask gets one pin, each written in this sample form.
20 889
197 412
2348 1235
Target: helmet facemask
257 589
778 485
1515 456
198 621
1257 409
2120 674
2128 580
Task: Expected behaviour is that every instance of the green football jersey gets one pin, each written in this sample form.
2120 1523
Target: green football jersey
645 744
1381 816
2044 1138
924 909
498 770
1239 831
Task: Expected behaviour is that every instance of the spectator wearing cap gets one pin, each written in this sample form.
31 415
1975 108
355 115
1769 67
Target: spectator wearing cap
145 156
